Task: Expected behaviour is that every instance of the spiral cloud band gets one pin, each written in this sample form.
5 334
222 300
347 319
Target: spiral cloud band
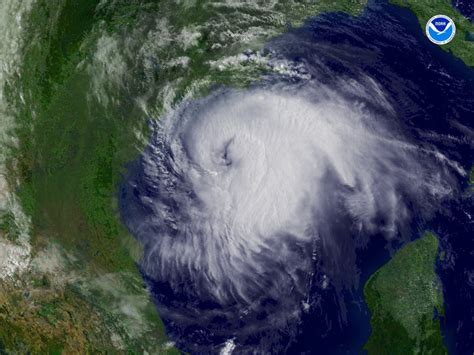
237 189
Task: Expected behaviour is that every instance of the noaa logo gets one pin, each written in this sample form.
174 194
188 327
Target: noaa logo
440 29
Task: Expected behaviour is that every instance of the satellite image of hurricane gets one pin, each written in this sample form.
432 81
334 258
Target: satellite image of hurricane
236 177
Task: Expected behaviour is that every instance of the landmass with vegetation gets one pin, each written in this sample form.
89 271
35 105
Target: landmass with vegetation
405 300
462 45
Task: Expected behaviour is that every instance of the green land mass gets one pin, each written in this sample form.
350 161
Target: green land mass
403 297
92 74
462 45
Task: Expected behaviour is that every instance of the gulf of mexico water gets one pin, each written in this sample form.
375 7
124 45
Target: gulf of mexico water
432 93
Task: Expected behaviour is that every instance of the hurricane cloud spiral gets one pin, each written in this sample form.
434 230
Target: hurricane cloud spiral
237 191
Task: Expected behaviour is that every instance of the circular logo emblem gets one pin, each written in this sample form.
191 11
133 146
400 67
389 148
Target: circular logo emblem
440 29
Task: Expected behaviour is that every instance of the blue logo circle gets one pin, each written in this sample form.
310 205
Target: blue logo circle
440 29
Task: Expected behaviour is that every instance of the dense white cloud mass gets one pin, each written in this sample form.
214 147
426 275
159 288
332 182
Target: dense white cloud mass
242 185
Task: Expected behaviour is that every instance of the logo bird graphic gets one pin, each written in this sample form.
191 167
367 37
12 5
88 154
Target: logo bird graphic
440 35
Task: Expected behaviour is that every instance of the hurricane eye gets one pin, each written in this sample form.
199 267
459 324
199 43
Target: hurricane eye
225 157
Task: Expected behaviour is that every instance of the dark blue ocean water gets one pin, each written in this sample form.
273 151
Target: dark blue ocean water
433 95
466 7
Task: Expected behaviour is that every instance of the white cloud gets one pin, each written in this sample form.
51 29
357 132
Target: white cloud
240 190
